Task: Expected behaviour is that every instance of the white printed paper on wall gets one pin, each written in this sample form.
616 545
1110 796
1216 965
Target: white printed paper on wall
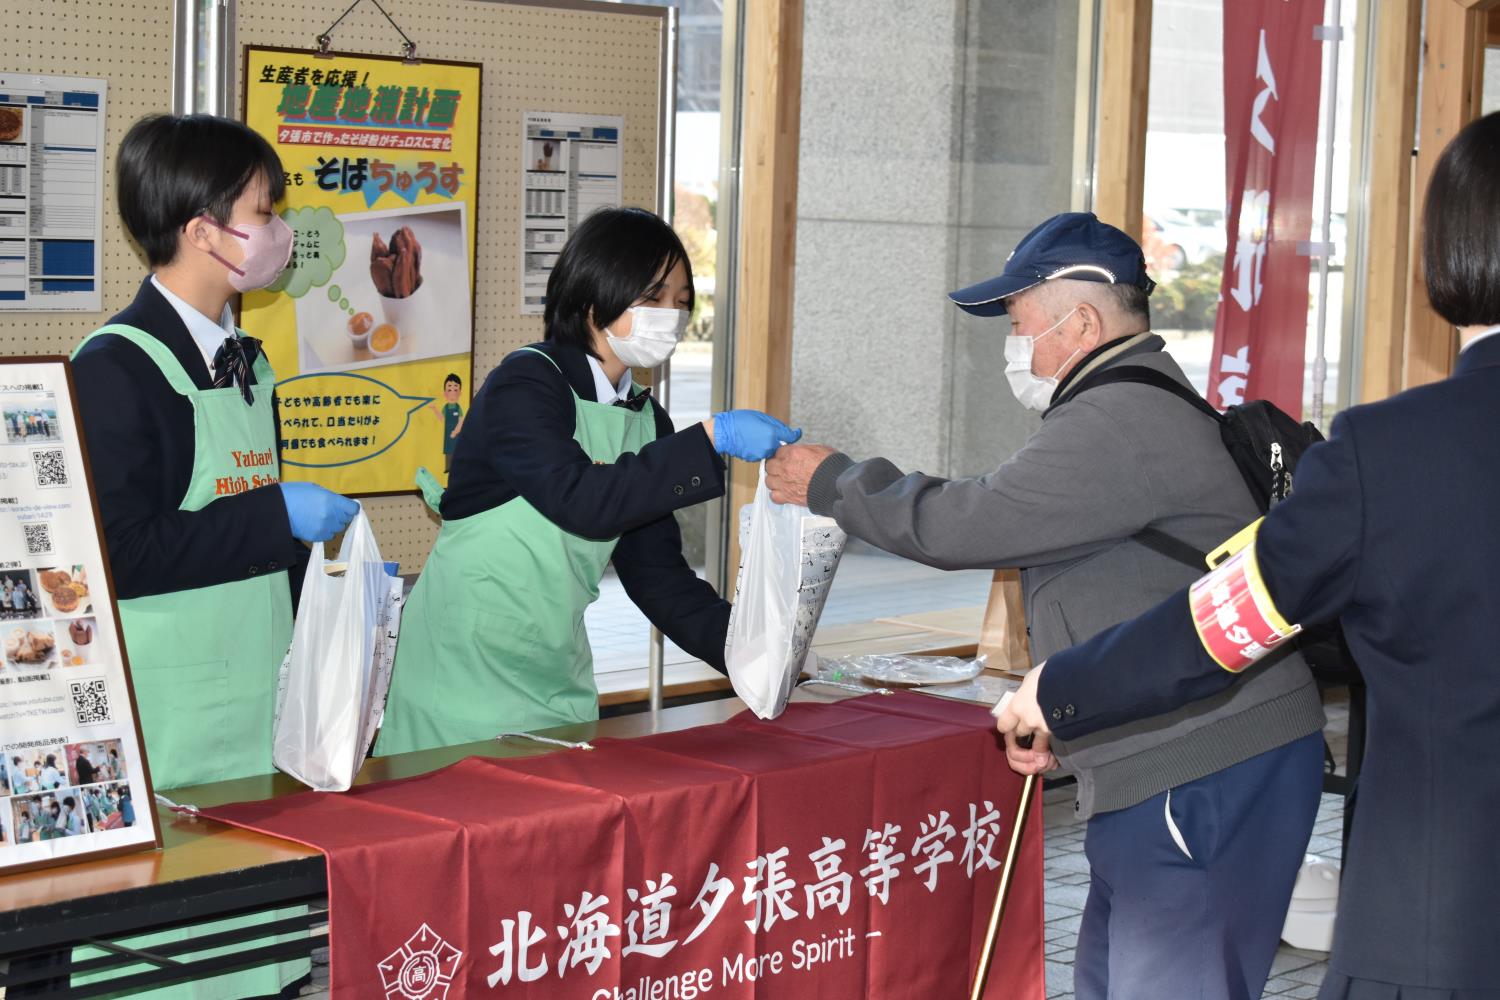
571 167
72 780
51 193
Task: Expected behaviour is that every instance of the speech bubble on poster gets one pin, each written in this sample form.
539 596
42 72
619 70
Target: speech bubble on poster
341 418
317 252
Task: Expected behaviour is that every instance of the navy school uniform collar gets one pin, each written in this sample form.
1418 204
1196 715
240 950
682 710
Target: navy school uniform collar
153 314
574 362
1483 353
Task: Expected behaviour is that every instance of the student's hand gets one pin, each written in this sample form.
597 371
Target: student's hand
749 434
316 514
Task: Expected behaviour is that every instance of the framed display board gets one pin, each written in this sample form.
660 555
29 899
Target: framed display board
74 782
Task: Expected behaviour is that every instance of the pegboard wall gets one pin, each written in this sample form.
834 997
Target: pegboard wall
588 59
128 44
536 58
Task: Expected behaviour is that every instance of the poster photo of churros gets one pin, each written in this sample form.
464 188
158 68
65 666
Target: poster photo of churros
406 281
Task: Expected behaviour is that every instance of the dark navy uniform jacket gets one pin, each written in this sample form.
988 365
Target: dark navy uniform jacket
518 442
139 433
1394 529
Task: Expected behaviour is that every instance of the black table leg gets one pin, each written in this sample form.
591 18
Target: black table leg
52 986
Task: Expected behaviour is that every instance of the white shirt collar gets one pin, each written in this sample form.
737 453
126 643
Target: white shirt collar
603 391
208 335
1480 336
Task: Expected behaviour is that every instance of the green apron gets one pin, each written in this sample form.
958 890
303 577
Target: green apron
204 662
492 637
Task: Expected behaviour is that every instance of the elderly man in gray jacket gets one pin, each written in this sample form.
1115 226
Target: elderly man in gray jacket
1198 820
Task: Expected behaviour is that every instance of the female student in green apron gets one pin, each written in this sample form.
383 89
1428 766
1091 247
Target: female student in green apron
562 466
179 413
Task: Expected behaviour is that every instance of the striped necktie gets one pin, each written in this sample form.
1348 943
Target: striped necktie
233 364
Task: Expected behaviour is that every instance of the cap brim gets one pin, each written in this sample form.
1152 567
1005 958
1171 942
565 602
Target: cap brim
988 297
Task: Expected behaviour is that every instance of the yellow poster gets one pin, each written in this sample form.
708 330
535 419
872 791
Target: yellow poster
371 327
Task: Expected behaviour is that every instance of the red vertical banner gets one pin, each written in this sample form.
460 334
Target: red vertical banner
1272 88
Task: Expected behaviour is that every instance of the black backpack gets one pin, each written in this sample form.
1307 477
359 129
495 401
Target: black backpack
1266 445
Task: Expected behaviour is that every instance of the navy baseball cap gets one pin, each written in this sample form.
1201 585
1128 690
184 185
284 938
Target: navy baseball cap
1072 245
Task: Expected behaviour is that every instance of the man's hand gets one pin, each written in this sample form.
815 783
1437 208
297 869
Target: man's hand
790 470
1021 716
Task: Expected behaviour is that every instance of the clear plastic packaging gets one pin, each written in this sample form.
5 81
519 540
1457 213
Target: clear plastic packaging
882 670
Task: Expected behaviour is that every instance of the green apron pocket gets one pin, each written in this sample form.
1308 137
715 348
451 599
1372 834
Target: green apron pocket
187 716
525 679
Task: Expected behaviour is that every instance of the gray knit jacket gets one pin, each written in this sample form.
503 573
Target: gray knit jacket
1103 465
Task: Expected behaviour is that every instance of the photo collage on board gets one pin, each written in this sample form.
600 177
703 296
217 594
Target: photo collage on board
62 785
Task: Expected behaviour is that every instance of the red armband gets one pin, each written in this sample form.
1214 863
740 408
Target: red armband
1236 620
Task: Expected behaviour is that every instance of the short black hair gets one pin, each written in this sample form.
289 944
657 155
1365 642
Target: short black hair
452 378
173 168
618 255
1133 301
1461 227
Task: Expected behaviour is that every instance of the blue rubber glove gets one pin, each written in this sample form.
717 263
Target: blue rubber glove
317 514
750 434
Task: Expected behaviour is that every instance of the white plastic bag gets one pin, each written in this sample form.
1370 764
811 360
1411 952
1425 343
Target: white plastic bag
333 683
788 558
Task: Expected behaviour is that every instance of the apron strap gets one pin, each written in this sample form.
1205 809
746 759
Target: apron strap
544 354
551 361
634 385
176 376
264 374
432 490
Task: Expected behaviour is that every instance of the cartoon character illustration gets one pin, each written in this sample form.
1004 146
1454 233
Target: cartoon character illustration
453 416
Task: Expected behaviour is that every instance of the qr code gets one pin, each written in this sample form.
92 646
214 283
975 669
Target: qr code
90 702
51 467
38 538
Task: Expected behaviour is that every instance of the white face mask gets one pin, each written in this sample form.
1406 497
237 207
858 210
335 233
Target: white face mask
1032 391
653 336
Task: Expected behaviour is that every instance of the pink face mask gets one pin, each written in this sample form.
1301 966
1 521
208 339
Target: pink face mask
267 250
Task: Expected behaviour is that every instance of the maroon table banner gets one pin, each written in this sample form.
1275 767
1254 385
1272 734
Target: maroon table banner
841 851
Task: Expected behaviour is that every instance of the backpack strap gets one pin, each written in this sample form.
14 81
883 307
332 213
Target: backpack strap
1147 376
1155 539
1173 548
